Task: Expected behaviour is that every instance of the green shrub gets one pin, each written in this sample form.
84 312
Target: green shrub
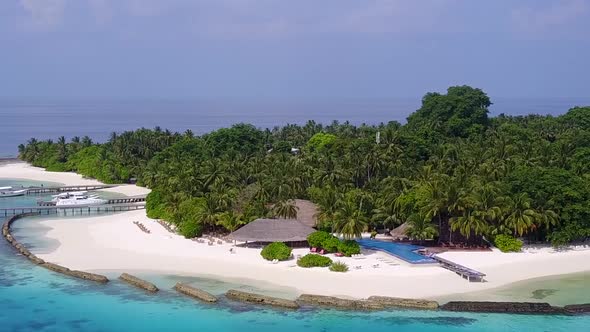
507 243
349 248
155 206
276 250
331 244
313 260
338 267
316 239
191 229
373 234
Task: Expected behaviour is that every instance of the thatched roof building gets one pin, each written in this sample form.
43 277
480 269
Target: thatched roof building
272 230
400 231
306 212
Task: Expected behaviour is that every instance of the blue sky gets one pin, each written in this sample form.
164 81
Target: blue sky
304 49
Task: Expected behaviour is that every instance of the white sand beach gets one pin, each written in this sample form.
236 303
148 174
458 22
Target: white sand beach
21 170
113 242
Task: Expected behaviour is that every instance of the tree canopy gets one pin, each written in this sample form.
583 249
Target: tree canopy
450 172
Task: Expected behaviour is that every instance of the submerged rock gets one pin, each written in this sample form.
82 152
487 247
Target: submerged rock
394 302
195 292
578 308
335 302
35 259
502 307
74 273
137 282
260 299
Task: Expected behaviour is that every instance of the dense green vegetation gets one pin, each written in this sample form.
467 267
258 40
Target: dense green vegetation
330 243
338 267
276 250
314 260
318 239
349 248
452 172
507 243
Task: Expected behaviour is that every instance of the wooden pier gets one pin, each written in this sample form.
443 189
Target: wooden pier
71 210
45 190
464 272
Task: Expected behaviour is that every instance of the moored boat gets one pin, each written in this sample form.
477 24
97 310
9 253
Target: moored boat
77 199
11 192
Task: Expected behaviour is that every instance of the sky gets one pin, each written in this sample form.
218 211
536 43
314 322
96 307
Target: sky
283 49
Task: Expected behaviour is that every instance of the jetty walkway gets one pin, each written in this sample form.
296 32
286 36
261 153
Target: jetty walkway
63 189
461 270
103 208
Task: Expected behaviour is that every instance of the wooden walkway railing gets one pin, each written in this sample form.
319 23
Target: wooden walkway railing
72 209
44 190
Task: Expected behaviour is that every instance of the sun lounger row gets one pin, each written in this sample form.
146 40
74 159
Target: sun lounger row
463 246
142 227
165 225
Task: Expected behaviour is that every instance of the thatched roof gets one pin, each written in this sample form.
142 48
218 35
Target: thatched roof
272 230
400 231
306 212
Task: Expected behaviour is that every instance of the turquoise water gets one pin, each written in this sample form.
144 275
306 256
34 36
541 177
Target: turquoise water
34 299
401 250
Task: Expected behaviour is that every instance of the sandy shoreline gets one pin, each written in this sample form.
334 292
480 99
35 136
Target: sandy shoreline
113 242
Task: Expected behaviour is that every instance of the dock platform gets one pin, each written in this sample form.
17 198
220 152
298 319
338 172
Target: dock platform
45 190
464 272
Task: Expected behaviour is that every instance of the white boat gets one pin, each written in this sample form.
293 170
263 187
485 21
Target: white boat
11 192
78 200
68 195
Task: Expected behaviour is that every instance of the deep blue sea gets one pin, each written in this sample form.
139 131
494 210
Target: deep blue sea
42 119
35 299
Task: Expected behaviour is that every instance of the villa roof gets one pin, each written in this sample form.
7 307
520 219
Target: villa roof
272 230
400 231
306 212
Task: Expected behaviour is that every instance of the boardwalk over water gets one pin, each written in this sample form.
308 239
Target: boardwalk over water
63 189
70 210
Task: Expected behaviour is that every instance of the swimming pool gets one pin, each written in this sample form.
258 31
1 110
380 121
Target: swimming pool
399 250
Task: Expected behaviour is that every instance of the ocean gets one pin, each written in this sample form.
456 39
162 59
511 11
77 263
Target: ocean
22 119
35 299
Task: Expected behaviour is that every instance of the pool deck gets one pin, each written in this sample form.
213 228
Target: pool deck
412 257
409 254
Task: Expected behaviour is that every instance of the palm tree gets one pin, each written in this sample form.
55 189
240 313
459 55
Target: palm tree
436 202
470 222
86 141
349 219
421 228
209 211
547 217
230 220
521 218
62 149
285 209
